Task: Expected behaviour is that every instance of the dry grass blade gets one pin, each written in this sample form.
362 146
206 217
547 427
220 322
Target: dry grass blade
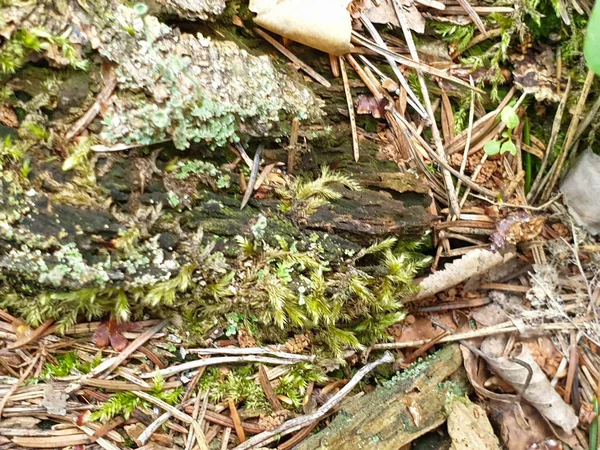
551 143
473 15
15 386
350 103
449 183
359 39
413 99
293 58
447 118
566 148
463 163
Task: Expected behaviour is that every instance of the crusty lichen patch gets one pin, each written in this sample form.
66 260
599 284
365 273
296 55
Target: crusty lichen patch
171 85
195 89
192 9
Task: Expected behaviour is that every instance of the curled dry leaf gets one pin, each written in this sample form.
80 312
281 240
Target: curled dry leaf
540 393
324 25
476 262
469 427
477 380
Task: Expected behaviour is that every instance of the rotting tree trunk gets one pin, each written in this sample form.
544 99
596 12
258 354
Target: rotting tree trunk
398 412
160 228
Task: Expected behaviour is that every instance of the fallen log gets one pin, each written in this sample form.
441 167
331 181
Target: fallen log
395 414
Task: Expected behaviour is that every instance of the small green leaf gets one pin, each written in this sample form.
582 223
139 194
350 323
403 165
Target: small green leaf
506 135
492 148
508 146
509 117
591 49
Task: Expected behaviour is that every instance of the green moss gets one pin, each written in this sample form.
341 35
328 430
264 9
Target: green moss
24 42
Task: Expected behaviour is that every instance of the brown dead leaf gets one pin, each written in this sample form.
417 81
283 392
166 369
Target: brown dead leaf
520 428
539 393
545 354
100 337
476 262
490 315
469 427
370 105
587 414
8 117
420 328
534 73
477 379
112 332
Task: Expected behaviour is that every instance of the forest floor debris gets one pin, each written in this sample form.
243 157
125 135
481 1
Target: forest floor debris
482 105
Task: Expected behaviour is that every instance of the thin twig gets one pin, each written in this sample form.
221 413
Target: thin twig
253 176
293 58
251 351
213 361
303 421
110 83
15 386
489 331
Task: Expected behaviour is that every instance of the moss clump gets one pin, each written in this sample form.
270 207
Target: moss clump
25 42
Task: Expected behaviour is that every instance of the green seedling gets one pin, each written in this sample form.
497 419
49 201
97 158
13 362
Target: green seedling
510 118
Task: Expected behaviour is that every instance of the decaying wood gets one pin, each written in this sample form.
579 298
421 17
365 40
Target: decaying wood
399 412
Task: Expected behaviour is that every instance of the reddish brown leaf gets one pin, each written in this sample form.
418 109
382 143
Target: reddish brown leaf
100 337
117 340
